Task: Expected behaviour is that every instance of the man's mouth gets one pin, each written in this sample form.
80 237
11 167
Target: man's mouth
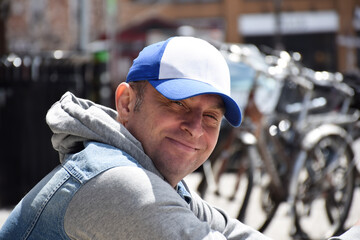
184 145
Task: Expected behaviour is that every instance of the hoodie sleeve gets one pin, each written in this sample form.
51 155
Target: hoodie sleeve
132 203
219 221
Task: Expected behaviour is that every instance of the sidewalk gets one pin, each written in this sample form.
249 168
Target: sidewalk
280 226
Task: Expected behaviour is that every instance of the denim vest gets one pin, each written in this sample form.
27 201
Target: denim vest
40 214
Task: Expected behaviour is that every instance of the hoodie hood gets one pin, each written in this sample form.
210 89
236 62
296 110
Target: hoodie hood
74 120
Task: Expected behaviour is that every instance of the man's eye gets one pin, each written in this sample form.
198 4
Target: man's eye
178 103
212 117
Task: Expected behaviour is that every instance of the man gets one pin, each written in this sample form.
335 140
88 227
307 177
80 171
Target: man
121 172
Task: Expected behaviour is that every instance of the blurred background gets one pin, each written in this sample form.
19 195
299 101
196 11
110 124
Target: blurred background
48 47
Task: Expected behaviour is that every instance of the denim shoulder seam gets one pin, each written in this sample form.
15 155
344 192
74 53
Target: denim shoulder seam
70 169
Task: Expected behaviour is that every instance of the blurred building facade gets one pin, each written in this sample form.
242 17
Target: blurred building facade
324 31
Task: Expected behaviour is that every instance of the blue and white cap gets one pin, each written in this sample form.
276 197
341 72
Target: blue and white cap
184 67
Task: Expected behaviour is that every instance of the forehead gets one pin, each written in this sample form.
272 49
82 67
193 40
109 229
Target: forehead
212 101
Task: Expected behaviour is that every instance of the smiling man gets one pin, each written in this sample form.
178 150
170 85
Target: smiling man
121 171
183 133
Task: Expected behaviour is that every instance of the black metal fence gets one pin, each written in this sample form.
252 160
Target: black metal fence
29 85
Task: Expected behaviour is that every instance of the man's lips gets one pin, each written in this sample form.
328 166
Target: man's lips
183 145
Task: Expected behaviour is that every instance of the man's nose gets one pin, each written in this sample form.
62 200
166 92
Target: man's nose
193 124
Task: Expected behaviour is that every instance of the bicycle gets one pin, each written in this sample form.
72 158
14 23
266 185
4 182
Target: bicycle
303 142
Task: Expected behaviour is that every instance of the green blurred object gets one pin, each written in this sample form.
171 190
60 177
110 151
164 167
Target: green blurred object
101 56
111 7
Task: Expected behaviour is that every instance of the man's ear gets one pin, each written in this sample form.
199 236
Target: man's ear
124 98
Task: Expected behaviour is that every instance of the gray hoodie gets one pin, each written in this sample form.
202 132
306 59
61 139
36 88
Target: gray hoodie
129 202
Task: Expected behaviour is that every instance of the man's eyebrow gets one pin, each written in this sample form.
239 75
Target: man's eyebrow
219 106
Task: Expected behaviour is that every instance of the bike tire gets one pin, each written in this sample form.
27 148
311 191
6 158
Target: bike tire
245 202
318 181
239 200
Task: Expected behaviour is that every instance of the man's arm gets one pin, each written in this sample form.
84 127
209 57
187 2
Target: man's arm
219 221
132 203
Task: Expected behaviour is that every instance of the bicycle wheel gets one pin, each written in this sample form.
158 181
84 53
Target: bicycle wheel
266 196
241 182
325 189
226 138
262 203
233 185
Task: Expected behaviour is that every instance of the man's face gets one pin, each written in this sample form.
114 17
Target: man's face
177 135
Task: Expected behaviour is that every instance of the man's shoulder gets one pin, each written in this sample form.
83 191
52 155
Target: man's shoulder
96 151
130 178
117 172
118 196
101 155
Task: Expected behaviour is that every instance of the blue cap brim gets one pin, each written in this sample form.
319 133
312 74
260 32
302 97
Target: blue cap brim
179 89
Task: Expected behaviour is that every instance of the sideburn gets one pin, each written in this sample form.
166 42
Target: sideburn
139 88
